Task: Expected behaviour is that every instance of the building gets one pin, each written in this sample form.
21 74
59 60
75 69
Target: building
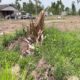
6 10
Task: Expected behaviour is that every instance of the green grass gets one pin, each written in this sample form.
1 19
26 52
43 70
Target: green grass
7 39
60 49
12 57
6 74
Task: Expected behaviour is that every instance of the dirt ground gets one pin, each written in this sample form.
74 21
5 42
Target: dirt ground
68 23
8 26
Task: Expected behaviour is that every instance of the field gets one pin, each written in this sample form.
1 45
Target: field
64 24
61 49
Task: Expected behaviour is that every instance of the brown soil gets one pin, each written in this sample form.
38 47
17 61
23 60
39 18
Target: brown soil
69 23
8 26
43 71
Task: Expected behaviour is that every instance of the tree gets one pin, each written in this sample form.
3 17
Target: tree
57 8
36 2
48 9
79 11
24 6
73 9
67 9
18 6
29 7
30 1
38 6
53 8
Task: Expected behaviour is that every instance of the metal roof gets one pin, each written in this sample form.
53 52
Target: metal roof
7 8
3 6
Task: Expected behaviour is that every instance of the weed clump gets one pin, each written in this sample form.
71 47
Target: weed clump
7 39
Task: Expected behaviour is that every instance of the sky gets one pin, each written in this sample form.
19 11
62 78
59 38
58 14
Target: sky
45 2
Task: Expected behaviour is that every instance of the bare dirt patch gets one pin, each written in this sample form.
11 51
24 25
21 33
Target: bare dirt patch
8 26
68 23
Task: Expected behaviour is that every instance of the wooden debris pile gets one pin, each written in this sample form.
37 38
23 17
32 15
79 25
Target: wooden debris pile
36 28
35 35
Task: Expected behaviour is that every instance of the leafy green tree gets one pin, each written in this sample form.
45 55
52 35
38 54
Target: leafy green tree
48 9
73 9
29 7
53 8
18 6
24 6
38 6
57 8
67 9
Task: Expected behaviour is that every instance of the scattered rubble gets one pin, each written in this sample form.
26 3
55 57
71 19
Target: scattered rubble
43 71
25 46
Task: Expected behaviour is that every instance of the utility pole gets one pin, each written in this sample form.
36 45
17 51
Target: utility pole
36 2
60 6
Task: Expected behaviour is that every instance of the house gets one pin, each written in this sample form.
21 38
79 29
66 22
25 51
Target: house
6 10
